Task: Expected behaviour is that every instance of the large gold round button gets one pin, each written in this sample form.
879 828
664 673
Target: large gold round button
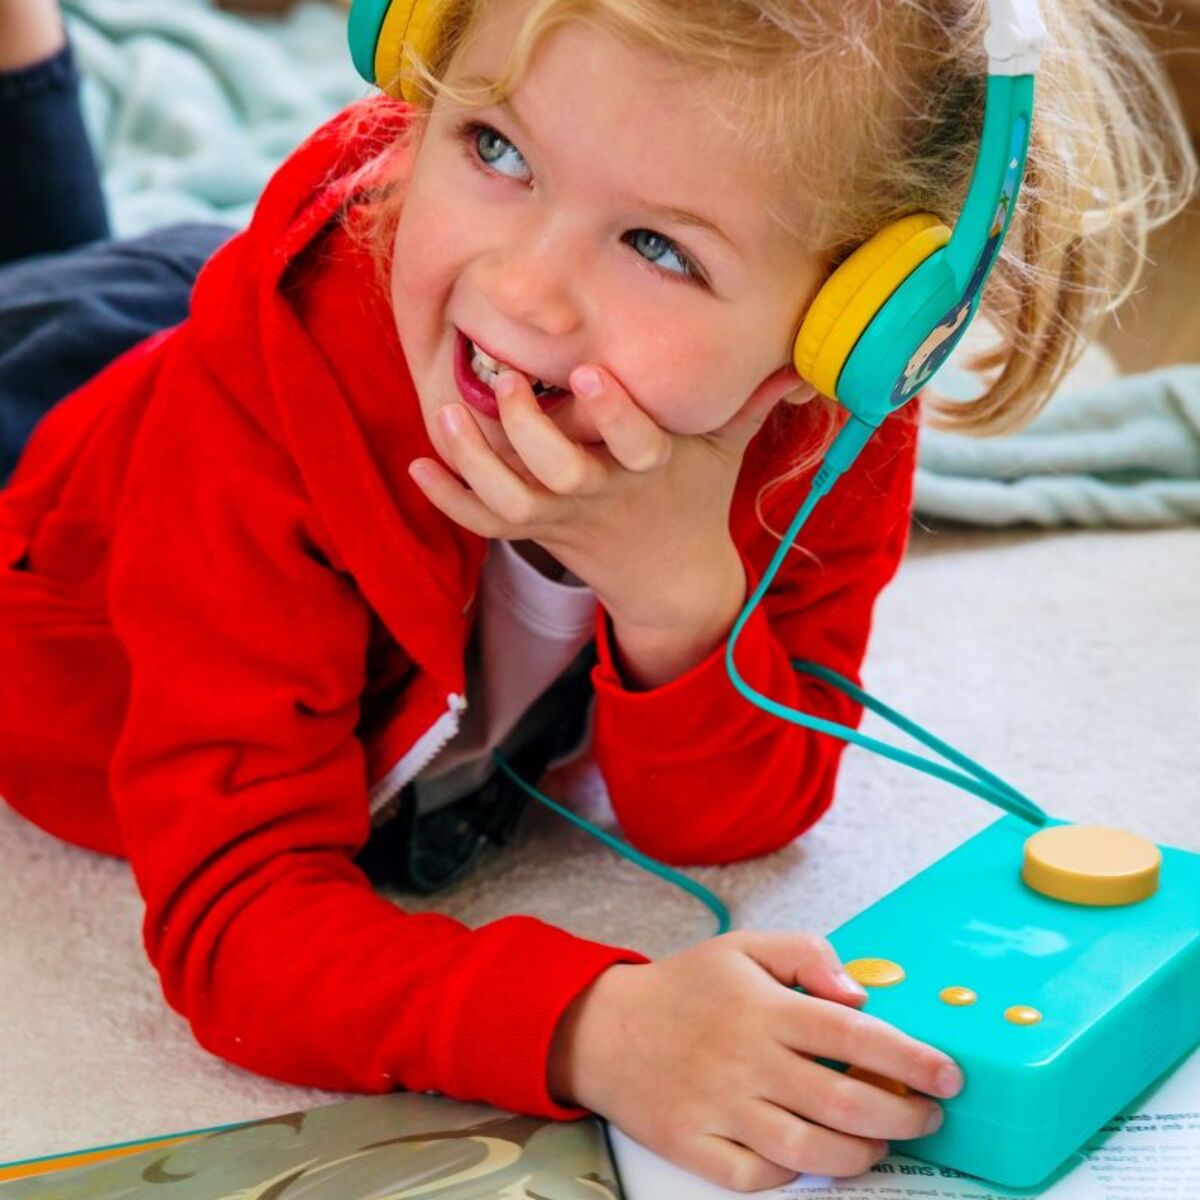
1091 864
875 972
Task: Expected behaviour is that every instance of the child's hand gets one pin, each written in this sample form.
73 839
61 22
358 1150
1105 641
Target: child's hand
706 1058
642 517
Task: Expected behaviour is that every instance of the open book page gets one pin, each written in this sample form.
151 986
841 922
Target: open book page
1151 1151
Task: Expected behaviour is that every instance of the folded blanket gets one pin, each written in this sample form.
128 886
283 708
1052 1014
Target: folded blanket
1125 452
192 109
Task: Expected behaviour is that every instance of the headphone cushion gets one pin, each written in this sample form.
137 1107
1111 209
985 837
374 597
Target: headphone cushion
416 24
853 295
363 24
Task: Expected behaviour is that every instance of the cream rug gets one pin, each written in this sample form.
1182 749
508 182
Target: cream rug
1065 661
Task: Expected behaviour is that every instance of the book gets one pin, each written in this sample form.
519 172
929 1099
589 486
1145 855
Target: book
402 1146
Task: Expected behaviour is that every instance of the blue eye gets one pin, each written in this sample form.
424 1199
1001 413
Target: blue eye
493 148
658 249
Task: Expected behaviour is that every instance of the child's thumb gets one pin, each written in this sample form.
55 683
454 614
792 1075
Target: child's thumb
805 960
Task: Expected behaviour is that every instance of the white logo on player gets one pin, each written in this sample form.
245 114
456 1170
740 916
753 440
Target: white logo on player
993 941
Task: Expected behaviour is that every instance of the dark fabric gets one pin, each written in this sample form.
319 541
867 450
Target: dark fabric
70 300
426 852
50 196
64 317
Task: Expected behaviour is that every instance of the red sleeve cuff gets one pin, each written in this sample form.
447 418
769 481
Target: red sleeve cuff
527 978
690 706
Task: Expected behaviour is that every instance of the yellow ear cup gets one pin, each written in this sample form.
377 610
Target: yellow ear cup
856 291
416 24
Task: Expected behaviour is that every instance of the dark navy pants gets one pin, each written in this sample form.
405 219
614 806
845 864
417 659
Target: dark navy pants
71 298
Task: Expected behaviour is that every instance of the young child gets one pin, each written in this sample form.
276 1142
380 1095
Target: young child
250 571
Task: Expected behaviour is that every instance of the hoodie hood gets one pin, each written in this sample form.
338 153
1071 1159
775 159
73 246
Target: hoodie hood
326 377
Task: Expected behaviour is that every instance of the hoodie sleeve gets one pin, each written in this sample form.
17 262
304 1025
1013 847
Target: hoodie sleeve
240 788
695 772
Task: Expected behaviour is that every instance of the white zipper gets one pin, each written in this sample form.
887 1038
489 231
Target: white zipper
422 752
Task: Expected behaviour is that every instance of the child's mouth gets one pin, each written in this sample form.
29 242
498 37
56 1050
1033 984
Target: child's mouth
477 391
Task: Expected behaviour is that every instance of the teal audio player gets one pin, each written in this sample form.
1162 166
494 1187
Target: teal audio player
1062 987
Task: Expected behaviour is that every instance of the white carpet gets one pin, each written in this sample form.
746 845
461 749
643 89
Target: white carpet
1067 662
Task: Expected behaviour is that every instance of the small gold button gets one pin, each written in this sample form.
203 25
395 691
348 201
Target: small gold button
957 996
880 1081
1022 1014
875 972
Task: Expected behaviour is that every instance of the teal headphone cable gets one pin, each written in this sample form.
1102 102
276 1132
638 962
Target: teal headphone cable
625 850
973 778
986 785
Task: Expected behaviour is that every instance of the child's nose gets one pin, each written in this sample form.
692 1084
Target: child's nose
535 280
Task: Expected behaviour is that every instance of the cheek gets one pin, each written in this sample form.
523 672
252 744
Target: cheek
418 259
405 282
431 243
690 377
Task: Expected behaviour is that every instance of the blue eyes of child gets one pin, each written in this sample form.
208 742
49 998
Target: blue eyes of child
485 145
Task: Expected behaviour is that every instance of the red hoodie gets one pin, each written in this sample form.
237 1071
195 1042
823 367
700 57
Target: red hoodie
227 614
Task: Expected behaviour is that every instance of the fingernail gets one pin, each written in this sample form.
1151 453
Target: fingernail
506 385
949 1081
420 472
851 985
934 1122
586 381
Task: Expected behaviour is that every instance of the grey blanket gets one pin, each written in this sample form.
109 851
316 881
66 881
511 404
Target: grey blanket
1125 453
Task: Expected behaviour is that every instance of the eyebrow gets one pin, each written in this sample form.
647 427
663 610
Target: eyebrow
680 216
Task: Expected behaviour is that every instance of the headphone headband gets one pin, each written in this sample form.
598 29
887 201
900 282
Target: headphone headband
1013 40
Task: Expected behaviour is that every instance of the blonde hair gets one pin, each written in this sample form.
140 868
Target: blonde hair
863 111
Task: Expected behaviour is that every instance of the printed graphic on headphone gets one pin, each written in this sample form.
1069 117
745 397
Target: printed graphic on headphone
936 348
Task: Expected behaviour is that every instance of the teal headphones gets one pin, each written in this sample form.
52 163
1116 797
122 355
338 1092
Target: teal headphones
879 329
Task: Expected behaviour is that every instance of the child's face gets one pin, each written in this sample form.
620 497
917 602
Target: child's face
536 231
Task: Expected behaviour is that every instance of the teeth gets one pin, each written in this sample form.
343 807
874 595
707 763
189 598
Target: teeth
488 368
482 370
493 364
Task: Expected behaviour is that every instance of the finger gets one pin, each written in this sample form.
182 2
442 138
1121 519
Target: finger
851 1106
832 1031
805 960
797 1145
632 436
448 495
730 1165
493 481
558 463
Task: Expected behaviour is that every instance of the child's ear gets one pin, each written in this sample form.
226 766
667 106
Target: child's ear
784 383
802 393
